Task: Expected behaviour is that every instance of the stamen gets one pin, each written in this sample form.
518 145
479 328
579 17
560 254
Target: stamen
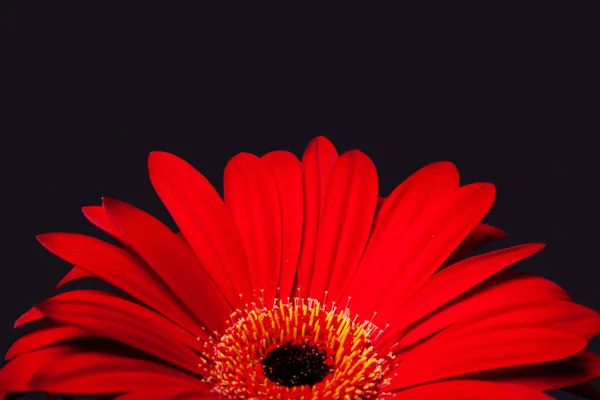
298 349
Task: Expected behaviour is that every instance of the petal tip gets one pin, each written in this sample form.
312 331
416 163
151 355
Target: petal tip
44 238
109 202
162 160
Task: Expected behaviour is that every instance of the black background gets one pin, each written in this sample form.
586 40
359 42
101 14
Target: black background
509 95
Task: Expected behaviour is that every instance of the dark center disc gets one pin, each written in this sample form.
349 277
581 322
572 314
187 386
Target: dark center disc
293 364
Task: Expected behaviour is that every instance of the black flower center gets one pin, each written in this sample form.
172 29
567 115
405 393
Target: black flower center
297 364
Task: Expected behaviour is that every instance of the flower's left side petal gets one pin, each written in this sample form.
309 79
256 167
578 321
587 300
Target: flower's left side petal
197 396
16 375
74 274
97 216
169 393
45 336
345 223
469 390
31 315
251 195
172 260
118 319
102 373
204 220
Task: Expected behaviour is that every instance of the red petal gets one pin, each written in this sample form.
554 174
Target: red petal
470 390
504 291
44 337
172 260
97 216
98 373
170 393
393 219
480 236
456 280
287 171
119 268
317 163
31 315
251 196
196 396
579 369
465 350
432 238
115 318
560 315
204 220
15 376
345 223
74 274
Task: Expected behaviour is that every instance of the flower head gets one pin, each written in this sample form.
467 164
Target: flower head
301 283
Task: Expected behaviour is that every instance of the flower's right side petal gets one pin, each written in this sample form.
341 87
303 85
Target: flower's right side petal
480 236
121 269
469 390
396 214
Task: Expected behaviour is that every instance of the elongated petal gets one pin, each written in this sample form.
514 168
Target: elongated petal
456 280
470 390
251 195
464 351
97 216
507 290
204 220
115 318
97 373
426 185
162 250
317 163
581 368
74 274
433 238
393 219
121 269
168 393
45 336
287 171
16 375
480 236
345 223
196 396
560 315
31 315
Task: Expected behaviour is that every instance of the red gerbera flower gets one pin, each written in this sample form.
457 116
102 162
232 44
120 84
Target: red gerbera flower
301 284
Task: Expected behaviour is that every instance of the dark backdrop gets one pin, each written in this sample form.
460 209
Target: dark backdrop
90 92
